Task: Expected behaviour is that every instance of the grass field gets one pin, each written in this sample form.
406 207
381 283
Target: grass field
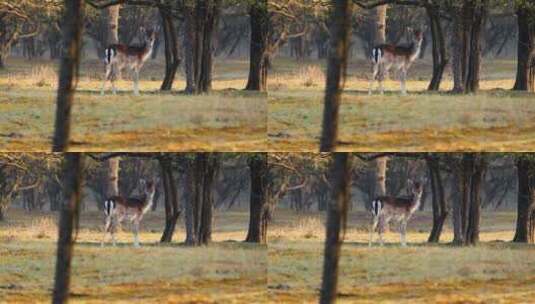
228 119
496 119
495 271
227 271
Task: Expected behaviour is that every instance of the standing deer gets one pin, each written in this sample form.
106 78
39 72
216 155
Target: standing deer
386 55
385 208
133 56
117 208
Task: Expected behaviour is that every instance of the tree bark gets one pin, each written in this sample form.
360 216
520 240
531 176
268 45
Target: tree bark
380 24
474 56
440 211
525 220
336 223
112 176
172 211
440 57
72 176
336 72
380 176
72 33
172 59
259 20
205 169
458 48
525 71
258 168
112 30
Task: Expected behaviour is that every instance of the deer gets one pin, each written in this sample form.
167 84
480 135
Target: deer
386 208
117 56
384 56
117 208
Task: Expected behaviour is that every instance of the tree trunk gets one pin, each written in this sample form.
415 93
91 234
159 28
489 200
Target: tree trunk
457 46
380 176
336 223
472 236
440 57
172 211
189 45
440 212
258 168
69 214
112 176
380 24
474 55
259 20
525 71
172 60
112 20
336 71
72 33
204 174
525 220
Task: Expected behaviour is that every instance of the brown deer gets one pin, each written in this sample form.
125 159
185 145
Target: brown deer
386 208
386 55
117 208
133 56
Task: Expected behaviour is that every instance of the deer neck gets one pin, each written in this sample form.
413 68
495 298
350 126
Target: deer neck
416 48
416 200
148 199
148 50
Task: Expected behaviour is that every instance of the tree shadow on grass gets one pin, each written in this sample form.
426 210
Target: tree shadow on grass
230 92
229 244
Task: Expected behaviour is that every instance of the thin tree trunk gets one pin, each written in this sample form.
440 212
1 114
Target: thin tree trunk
457 52
112 176
380 24
72 33
189 46
380 176
336 224
438 198
259 20
172 60
336 72
258 168
525 199
525 71
68 221
440 59
474 58
171 199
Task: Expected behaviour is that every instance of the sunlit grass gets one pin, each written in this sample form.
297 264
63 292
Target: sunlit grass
229 119
226 271
494 271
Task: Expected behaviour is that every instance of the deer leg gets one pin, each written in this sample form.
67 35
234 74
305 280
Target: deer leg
381 78
136 233
136 81
403 79
403 232
382 222
107 227
374 76
106 77
373 226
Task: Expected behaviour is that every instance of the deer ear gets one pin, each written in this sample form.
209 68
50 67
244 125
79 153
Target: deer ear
410 183
142 30
142 182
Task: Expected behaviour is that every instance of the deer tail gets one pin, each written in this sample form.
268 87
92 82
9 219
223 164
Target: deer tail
377 54
109 207
377 206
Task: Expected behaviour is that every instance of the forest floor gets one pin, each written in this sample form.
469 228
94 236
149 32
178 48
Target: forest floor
226 271
228 119
495 271
495 119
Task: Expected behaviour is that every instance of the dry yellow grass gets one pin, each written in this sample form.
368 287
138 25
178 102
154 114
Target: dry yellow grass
228 119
